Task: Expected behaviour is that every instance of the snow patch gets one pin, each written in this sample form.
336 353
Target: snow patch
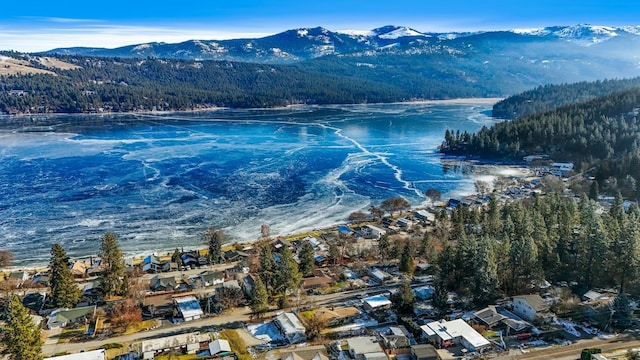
400 32
302 32
142 47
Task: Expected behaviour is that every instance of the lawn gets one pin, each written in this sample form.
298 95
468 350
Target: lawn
237 344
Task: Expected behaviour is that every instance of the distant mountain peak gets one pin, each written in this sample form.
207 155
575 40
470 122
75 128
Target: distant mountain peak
395 32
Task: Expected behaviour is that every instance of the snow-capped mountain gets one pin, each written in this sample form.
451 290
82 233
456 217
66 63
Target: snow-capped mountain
309 43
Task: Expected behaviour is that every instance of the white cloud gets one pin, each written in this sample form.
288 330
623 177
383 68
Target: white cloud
61 32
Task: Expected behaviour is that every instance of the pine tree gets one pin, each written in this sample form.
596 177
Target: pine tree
259 303
403 300
214 238
288 275
268 268
407 265
384 248
307 260
65 292
22 337
114 280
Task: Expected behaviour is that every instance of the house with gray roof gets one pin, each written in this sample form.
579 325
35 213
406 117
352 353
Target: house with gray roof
61 318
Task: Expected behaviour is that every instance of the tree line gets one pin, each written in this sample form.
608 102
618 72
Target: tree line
125 85
551 96
600 133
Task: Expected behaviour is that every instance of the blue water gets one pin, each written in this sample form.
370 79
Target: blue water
157 181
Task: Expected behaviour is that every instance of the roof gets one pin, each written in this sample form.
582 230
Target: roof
64 315
364 345
189 306
317 352
338 313
449 330
174 341
396 341
592 295
489 315
377 301
424 351
19 275
290 323
87 355
219 346
378 355
536 301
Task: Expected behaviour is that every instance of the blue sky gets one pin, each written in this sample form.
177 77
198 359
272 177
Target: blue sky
37 25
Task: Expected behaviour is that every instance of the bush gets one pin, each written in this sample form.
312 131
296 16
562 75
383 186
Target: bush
112 346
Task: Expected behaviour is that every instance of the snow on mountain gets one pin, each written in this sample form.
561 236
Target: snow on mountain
582 34
400 32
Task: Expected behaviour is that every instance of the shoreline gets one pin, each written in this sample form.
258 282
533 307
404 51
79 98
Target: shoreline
455 101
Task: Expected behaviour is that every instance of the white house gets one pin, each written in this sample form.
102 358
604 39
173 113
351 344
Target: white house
365 347
373 232
455 332
219 347
291 327
529 306
189 342
87 355
378 302
189 308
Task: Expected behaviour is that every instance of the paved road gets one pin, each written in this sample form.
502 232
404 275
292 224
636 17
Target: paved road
240 314
572 352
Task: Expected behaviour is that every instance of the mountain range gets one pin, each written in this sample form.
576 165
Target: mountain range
309 43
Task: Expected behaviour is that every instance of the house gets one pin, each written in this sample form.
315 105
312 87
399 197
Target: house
378 275
425 216
424 292
424 352
404 223
317 282
211 278
247 281
320 260
234 255
591 295
219 347
375 303
188 307
529 307
158 305
317 352
19 277
99 354
448 333
34 301
154 264
188 343
365 348
396 344
372 232
290 327
61 318
489 316
79 269
337 316
163 283
189 260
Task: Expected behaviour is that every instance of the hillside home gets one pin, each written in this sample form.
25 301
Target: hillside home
188 307
99 354
529 307
337 316
62 318
188 343
424 352
447 333
317 352
365 348
290 327
372 232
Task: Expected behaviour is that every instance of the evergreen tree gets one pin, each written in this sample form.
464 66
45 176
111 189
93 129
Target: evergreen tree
288 276
114 280
403 300
259 303
22 337
307 259
594 191
485 280
384 248
622 314
214 238
407 265
64 291
268 268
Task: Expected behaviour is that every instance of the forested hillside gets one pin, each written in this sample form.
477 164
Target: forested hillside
601 133
152 84
549 97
